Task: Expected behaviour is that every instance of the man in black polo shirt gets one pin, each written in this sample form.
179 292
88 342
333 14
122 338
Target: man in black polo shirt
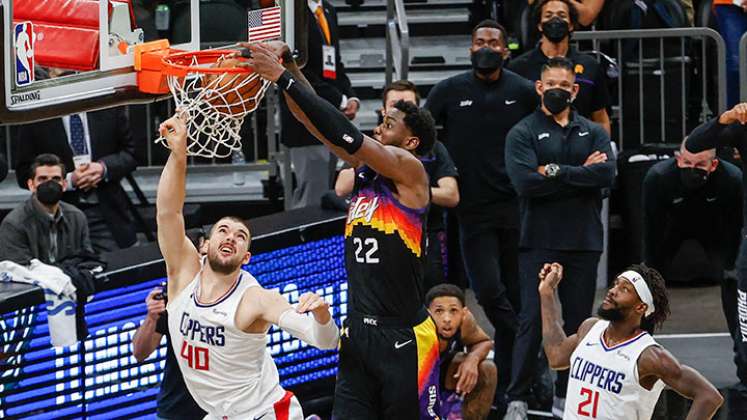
477 109
559 163
174 400
555 20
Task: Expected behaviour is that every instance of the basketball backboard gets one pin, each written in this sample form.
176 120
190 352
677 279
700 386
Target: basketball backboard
66 56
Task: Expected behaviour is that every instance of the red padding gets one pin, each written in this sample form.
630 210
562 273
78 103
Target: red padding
66 47
76 13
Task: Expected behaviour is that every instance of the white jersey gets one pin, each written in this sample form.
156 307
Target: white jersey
603 381
230 373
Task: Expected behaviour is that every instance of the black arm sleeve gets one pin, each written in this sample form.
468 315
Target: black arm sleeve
331 123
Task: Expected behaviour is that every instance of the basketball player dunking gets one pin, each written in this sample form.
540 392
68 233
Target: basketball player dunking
617 370
219 315
389 347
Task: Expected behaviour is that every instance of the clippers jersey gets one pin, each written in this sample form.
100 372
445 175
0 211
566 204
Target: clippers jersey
603 381
229 373
384 249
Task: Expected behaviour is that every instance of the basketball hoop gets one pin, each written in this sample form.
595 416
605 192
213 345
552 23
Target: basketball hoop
212 96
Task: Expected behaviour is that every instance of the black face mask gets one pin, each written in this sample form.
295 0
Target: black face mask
486 61
693 178
555 29
556 100
49 193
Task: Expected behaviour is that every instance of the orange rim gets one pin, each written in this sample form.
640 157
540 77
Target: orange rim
182 63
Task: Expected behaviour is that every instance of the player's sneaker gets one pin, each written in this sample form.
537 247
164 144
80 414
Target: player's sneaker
517 410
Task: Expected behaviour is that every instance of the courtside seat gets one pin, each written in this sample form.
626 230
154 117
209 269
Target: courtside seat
67 31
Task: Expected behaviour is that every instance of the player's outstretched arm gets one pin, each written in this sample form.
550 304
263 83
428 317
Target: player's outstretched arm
182 259
657 363
558 347
333 128
270 307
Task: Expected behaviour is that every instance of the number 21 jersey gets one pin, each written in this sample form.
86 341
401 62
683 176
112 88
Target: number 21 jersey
603 381
384 249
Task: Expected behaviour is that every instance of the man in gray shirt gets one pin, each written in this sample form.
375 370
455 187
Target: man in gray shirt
43 227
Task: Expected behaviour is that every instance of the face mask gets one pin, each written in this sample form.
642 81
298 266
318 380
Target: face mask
556 100
486 61
693 178
555 29
49 193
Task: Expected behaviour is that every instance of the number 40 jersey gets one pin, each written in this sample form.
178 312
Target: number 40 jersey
384 249
603 381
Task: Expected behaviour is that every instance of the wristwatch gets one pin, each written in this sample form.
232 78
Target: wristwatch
552 170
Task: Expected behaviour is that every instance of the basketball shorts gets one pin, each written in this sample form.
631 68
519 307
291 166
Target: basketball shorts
388 369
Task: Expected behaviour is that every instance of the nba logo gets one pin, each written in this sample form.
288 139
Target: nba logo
24 43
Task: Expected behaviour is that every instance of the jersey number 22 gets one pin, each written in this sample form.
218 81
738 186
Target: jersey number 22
365 250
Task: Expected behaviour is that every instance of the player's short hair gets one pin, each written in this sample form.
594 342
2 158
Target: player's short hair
490 23
420 122
236 219
45 159
444 290
401 86
711 152
657 286
559 62
572 11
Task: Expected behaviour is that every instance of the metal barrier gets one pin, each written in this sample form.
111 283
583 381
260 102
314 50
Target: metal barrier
630 60
743 68
397 41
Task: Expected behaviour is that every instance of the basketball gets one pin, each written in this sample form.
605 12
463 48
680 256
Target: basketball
231 93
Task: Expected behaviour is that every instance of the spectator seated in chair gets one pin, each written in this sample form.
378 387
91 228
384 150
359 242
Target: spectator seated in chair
43 227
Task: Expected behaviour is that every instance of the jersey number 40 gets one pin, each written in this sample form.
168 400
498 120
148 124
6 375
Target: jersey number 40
197 358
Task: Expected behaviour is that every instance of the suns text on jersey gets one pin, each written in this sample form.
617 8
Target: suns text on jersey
192 330
599 376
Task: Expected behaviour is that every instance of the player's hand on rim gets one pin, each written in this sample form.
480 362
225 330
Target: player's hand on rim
174 130
311 302
550 276
264 60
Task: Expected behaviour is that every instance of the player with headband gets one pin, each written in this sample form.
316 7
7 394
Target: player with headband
617 370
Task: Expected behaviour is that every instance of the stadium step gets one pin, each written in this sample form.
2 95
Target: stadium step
417 16
375 79
448 50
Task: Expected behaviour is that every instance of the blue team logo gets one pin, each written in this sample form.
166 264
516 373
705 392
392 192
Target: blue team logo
24 43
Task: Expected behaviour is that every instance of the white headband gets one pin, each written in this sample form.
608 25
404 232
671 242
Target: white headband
642 288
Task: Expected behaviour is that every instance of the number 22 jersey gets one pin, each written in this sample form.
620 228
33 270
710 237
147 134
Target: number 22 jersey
603 381
384 249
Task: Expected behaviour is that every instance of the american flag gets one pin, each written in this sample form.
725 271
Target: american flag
264 24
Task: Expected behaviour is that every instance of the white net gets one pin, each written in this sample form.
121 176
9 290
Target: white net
214 106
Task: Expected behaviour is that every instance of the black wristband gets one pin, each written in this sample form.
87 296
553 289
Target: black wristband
285 80
328 120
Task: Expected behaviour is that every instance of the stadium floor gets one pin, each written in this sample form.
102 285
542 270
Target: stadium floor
696 334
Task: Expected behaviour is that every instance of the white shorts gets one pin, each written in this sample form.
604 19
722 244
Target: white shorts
287 408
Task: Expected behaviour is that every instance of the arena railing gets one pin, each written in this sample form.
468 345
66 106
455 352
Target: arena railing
397 41
675 64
